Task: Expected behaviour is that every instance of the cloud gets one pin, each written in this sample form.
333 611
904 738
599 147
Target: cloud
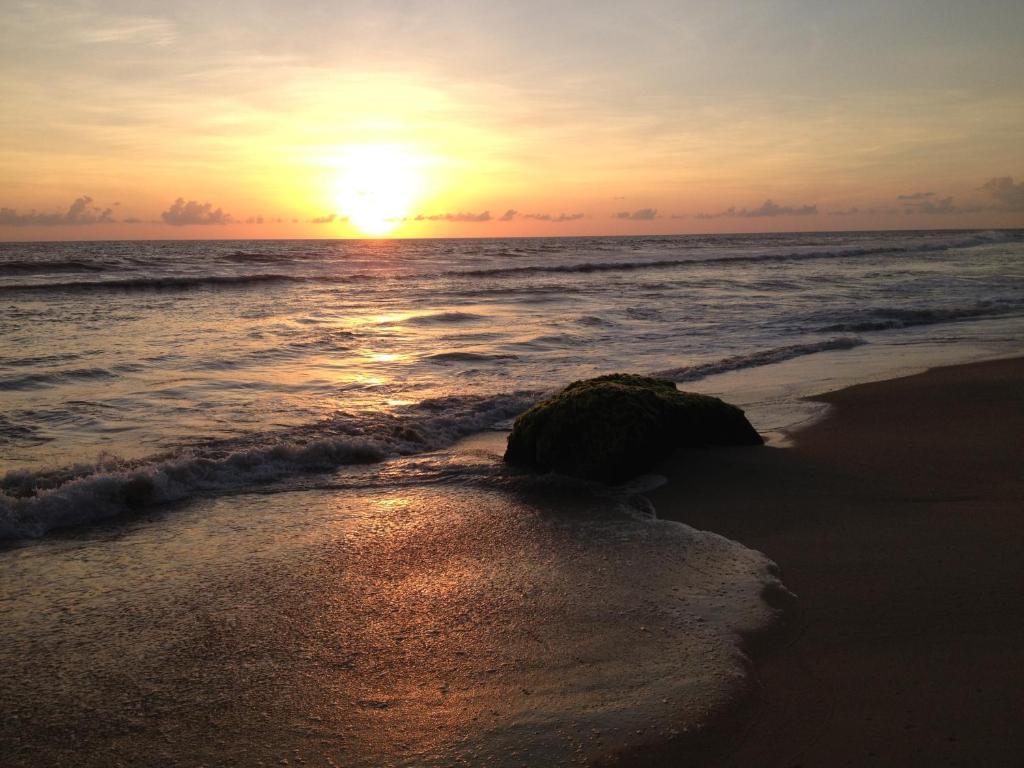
329 218
880 211
925 202
254 220
81 211
512 213
135 29
768 209
1010 195
471 217
550 217
644 214
184 214
1007 195
945 205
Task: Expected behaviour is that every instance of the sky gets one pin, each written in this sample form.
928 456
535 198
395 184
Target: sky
476 119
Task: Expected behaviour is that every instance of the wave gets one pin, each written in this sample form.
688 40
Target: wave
182 282
886 318
20 267
37 360
248 257
467 357
155 283
53 378
442 317
981 238
12 433
33 502
756 359
594 321
328 341
552 341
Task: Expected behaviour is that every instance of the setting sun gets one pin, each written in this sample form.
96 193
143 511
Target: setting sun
377 186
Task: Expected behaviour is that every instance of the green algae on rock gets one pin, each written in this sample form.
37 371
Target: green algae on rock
617 426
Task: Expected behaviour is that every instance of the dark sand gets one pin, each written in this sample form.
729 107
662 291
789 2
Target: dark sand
899 522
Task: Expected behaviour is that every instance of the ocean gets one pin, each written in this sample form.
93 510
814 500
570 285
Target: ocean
254 510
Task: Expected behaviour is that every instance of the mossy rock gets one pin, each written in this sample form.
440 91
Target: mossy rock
614 427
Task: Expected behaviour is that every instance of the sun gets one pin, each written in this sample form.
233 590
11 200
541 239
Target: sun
377 185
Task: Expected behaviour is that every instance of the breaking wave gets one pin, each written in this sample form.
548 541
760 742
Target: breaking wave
35 502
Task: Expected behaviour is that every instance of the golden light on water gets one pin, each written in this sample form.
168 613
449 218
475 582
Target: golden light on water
377 186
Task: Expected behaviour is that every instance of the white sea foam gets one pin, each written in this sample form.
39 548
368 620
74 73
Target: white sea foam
33 502
422 625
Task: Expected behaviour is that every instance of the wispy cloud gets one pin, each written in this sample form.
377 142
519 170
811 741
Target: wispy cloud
551 217
644 214
768 209
460 216
138 29
916 196
183 213
81 211
326 219
508 215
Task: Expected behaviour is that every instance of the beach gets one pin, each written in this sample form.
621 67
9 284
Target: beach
896 520
296 540
360 624
511 385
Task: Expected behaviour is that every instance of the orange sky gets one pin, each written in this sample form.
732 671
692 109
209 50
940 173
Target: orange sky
328 119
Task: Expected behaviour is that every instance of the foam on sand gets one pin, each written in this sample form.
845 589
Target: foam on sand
427 625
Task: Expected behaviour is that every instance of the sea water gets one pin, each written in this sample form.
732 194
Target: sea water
296 559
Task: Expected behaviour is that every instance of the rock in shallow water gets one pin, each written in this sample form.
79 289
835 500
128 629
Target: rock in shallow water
617 426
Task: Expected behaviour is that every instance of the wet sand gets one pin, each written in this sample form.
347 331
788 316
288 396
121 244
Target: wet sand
897 520
428 622
463 615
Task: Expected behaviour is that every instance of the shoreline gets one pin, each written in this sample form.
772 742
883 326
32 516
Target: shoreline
901 649
895 519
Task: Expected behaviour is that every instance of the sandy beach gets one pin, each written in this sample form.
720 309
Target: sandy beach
897 522
314 625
